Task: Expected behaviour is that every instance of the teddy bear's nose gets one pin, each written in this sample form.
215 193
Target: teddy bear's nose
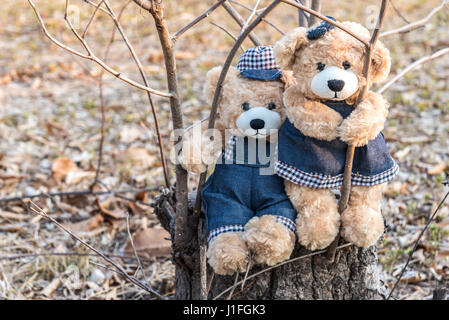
336 85
257 124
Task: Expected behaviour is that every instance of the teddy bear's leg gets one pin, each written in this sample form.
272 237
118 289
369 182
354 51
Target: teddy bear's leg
362 222
228 253
269 239
318 221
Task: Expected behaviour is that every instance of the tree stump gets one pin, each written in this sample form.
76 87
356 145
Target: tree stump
354 275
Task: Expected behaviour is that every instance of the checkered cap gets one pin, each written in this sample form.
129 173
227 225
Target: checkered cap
258 58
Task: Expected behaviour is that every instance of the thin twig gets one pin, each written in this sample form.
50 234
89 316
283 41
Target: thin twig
253 12
416 24
399 12
92 57
234 286
67 254
228 33
322 17
81 193
264 20
248 267
238 18
92 17
196 20
131 240
281 264
416 243
413 66
39 211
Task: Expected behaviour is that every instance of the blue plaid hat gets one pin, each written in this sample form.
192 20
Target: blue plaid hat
259 64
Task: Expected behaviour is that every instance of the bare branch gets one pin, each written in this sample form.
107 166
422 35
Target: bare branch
93 57
253 12
196 20
80 193
322 17
39 211
92 18
413 66
416 24
316 5
228 33
264 20
238 18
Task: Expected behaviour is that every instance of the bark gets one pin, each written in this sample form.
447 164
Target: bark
355 275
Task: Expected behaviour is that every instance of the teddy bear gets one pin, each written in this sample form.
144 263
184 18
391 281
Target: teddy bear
247 210
321 122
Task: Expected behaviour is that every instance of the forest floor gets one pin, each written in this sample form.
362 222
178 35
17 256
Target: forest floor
50 132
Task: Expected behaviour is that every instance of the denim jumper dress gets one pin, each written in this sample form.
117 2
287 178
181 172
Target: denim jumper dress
242 186
314 163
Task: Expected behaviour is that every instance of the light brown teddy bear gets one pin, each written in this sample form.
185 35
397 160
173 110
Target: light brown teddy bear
327 64
247 209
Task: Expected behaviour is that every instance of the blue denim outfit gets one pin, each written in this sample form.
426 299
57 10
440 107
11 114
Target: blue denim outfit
320 164
237 191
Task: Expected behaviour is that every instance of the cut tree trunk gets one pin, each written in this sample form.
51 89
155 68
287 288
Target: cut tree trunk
354 275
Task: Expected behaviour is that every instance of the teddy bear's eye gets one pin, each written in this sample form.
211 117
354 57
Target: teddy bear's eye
346 65
245 106
271 106
320 66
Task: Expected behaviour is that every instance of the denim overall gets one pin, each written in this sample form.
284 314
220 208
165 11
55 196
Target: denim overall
320 164
239 190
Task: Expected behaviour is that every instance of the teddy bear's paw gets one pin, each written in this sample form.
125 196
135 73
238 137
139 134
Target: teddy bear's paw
268 240
362 226
353 134
317 231
228 253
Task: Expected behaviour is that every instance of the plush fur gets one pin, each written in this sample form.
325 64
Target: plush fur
228 253
269 241
318 219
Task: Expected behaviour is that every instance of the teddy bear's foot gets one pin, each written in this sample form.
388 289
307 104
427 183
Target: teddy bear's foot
228 253
362 222
318 221
362 226
268 240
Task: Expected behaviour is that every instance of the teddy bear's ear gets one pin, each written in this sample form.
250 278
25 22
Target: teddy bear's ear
380 63
212 79
284 49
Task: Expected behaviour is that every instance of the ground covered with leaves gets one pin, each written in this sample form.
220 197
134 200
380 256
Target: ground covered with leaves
50 132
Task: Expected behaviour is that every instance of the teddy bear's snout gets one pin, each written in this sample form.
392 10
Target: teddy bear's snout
336 85
257 124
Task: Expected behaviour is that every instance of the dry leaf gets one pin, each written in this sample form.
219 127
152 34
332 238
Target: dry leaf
441 262
61 166
110 208
87 225
187 55
75 177
137 157
437 169
51 287
150 242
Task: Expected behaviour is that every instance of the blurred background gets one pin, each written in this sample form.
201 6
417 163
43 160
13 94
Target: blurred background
50 119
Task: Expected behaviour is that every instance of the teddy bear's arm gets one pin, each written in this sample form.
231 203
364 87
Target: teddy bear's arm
366 121
190 158
312 118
